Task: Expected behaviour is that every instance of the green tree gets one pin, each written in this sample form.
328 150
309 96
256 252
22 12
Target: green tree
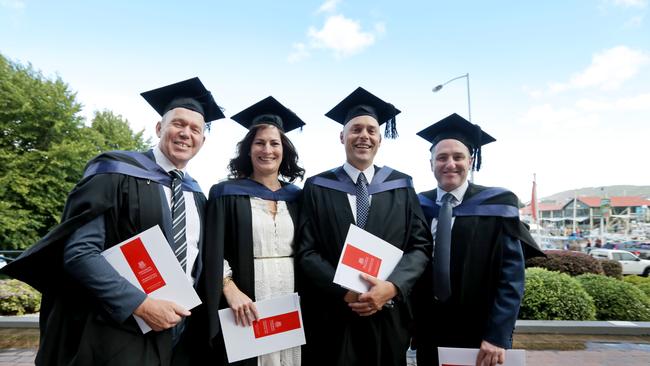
44 146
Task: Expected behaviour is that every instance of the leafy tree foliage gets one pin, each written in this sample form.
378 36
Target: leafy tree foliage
44 146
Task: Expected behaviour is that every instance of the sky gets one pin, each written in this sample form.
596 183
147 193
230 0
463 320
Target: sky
564 86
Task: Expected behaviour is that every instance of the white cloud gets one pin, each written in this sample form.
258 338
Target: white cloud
634 22
608 70
13 4
342 35
636 103
328 6
551 120
299 53
631 3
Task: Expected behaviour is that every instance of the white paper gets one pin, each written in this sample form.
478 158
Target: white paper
177 288
390 255
467 357
240 340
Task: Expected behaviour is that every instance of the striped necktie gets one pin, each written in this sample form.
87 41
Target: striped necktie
178 218
442 251
363 201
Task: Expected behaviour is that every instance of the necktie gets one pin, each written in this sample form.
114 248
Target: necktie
363 202
178 218
441 279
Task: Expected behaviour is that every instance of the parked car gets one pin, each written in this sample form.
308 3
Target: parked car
630 262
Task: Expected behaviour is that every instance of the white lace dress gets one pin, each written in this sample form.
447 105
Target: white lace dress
272 241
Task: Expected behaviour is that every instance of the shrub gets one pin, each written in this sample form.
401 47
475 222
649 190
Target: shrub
645 288
636 280
642 283
612 268
571 263
616 300
18 298
555 296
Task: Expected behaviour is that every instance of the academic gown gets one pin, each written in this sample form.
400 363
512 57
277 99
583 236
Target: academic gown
335 334
486 226
126 188
229 234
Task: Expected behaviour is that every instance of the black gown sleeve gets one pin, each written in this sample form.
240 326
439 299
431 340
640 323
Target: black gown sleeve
311 262
509 293
417 251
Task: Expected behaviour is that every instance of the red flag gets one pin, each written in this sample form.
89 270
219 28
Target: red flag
533 201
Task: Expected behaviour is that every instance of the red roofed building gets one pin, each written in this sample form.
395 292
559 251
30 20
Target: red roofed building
595 207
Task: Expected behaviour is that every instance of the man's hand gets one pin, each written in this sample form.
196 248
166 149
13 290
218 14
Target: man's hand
490 355
241 305
372 301
160 314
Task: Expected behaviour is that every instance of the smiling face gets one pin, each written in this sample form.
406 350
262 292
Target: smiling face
181 135
361 137
450 163
266 151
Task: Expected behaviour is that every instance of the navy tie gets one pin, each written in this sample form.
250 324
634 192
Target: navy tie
178 218
363 201
442 251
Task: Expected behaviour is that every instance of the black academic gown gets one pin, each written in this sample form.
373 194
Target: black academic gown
75 329
476 269
335 334
229 234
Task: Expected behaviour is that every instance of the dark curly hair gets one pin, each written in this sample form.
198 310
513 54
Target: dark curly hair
241 165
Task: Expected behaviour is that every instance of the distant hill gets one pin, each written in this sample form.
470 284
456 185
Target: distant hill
643 191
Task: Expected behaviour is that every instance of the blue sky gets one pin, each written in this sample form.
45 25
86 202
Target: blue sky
564 86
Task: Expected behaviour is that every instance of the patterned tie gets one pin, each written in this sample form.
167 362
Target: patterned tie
363 202
178 218
441 256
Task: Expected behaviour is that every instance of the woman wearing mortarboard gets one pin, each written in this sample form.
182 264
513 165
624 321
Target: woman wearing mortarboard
252 217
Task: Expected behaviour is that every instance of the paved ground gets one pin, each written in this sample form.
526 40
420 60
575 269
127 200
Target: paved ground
605 355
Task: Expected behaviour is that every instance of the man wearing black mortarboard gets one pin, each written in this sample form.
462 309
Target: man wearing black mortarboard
87 309
344 327
469 296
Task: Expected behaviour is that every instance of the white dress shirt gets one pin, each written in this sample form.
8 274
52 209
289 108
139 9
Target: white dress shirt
458 194
353 173
192 218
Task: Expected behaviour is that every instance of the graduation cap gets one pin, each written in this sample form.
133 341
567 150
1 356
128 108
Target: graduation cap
458 128
189 94
363 103
269 111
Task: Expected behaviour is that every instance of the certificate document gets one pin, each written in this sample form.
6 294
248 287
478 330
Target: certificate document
148 262
467 357
279 327
365 253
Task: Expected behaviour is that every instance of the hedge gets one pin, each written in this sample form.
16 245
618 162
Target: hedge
555 296
18 298
569 262
642 283
615 299
612 268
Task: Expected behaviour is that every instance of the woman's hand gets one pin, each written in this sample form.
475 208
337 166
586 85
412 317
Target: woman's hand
241 305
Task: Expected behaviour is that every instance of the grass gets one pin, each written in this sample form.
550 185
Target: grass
18 338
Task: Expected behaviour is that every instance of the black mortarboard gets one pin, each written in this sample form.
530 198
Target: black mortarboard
268 111
362 103
458 128
189 94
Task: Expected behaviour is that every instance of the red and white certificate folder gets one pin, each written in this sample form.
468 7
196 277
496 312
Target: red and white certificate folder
279 327
148 262
365 253
467 357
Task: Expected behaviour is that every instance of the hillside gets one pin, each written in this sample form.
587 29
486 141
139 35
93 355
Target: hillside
643 191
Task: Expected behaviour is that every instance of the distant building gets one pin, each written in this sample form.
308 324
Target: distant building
590 209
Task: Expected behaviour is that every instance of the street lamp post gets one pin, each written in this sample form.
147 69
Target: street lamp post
469 105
